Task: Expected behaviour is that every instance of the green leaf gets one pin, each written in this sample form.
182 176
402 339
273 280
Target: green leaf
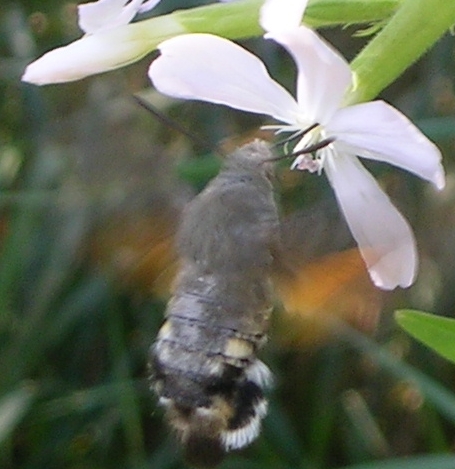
443 461
436 332
13 407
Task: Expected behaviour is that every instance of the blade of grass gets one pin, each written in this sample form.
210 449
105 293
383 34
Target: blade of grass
323 416
27 350
445 461
434 392
13 408
128 401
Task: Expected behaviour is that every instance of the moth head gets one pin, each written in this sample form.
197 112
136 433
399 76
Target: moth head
255 156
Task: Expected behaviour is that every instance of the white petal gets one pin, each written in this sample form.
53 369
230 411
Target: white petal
384 237
89 55
210 68
102 15
380 132
323 74
276 15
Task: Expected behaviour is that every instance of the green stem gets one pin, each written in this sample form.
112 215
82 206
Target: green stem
321 13
415 27
237 20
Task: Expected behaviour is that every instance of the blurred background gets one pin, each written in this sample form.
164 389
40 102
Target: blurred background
91 189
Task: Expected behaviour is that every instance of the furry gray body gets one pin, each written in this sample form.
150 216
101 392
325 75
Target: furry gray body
204 363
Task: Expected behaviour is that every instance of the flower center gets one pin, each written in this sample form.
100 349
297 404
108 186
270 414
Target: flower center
310 151
309 162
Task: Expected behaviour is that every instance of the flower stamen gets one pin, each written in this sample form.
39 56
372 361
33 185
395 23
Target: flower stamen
311 158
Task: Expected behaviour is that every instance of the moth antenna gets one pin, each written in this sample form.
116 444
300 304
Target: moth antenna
171 123
315 147
303 151
295 136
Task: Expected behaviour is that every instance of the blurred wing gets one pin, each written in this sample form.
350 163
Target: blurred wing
132 192
321 279
318 280
320 294
134 235
140 252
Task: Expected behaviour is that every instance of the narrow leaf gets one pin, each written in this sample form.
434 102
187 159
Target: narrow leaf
443 461
13 407
436 332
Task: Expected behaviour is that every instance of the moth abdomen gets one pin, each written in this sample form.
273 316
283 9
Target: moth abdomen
207 375
213 405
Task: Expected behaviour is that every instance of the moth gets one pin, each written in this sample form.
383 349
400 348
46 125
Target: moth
205 368
237 255
231 243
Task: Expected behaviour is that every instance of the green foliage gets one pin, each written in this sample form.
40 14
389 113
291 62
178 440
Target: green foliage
199 172
13 407
419 462
436 332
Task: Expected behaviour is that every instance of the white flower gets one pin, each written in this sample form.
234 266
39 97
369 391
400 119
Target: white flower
102 15
108 43
209 68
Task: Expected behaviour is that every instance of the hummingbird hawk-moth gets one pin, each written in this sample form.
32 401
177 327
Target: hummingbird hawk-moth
205 369
231 243
231 239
